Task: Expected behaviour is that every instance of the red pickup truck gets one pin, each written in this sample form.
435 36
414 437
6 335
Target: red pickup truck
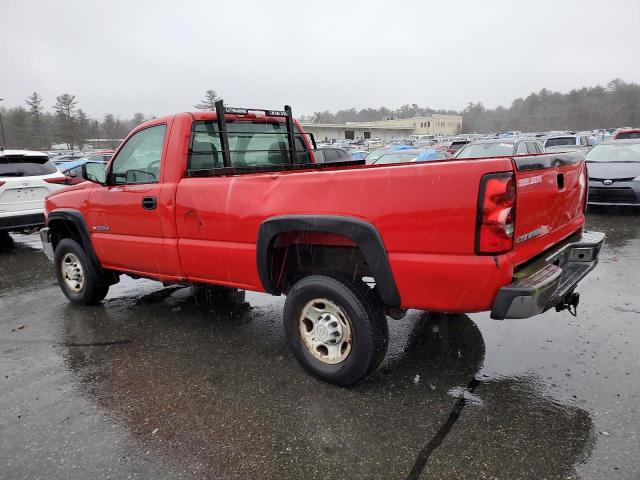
233 199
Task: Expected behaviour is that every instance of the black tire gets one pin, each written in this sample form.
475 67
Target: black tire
6 242
368 325
94 286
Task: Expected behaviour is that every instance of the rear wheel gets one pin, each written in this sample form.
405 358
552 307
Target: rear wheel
80 280
335 327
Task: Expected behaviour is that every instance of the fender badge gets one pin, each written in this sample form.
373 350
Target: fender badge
101 228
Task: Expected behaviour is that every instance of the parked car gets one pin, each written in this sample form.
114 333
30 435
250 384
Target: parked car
331 155
402 156
456 145
568 142
614 173
375 154
26 177
192 212
60 159
499 147
101 156
359 154
627 134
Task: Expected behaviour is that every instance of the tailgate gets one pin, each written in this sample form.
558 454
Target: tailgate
551 192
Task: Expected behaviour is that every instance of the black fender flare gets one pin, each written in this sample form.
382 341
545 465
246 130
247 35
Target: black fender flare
76 218
363 234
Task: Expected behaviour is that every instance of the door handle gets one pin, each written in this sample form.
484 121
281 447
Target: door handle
149 203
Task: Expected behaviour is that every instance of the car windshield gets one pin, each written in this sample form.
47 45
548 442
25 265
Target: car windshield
396 157
560 141
611 152
478 150
376 154
25 166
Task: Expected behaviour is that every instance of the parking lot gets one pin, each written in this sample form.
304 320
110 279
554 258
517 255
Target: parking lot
158 383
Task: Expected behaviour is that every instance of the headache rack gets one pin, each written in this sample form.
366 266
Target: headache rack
289 144
221 110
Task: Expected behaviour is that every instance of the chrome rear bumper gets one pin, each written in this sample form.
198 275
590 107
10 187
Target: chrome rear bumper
551 284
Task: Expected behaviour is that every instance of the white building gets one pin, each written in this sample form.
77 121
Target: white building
435 124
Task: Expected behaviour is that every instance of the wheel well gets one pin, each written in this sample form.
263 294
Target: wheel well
346 243
62 228
291 261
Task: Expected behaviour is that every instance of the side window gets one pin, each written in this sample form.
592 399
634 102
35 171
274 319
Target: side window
583 141
522 149
139 159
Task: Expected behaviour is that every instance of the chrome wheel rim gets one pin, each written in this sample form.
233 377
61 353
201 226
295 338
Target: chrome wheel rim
325 331
72 272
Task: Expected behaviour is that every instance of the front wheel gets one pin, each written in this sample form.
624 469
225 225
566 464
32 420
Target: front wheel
335 327
80 280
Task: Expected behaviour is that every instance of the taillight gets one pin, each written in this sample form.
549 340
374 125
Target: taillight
64 180
2 183
496 213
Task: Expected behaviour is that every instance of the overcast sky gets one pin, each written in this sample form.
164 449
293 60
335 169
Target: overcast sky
159 57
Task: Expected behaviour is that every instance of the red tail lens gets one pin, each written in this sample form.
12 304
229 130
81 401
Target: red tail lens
64 180
2 183
496 213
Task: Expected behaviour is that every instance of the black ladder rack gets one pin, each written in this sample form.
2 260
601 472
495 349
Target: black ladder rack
221 110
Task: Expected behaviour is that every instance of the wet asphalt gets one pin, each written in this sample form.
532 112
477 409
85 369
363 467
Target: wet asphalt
159 383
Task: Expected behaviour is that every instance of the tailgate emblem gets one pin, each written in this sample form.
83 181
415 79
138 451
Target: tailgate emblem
607 182
533 233
530 181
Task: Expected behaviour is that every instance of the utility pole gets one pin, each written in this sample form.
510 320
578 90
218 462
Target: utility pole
4 140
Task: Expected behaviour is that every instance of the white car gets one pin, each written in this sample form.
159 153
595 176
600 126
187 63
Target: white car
563 143
26 178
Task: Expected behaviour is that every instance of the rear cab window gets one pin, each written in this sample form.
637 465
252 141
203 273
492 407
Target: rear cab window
252 144
560 141
26 166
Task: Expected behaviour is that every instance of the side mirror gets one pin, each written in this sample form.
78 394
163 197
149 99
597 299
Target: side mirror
94 172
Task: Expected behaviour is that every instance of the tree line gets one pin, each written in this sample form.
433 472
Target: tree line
615 105
35 128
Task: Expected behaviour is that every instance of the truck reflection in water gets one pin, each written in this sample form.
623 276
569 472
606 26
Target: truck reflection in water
228 401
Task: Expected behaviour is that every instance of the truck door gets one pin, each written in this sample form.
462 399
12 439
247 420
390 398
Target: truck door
125 216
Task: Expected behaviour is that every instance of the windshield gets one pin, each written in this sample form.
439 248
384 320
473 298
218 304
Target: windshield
560 141
610 152
478 150
396 157
22 166
376 154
